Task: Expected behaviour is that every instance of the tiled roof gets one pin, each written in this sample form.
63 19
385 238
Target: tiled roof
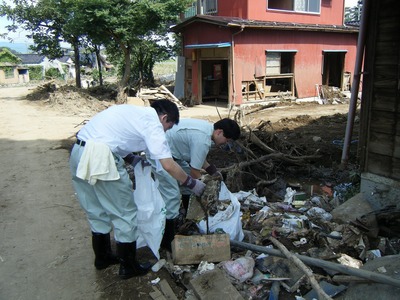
64 58
30 59
244 23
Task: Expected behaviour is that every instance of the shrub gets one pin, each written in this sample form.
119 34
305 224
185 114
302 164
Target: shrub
35 72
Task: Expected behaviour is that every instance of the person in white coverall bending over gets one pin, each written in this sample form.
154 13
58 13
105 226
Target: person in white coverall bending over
102 183
190 141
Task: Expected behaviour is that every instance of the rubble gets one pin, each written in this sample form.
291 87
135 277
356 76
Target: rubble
321 224
316 258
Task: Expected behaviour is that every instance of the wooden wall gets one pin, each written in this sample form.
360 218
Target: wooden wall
381 92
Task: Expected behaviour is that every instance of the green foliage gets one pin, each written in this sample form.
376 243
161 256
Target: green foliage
53 73
132 30
7 56
96 75
8 71
35 72
165 67
128 29
353 14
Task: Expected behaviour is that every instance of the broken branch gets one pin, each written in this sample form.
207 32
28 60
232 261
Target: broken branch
314 283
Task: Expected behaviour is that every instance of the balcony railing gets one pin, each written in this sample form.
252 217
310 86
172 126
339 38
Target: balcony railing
207 7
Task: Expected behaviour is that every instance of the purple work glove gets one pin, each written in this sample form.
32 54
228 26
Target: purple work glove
212 170
197 186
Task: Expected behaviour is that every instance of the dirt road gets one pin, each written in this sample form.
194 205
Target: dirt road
44 241
45 248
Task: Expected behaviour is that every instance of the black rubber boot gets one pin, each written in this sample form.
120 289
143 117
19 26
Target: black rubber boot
185 203
129 266
169 234
102 250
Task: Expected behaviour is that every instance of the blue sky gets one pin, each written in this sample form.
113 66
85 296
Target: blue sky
18 37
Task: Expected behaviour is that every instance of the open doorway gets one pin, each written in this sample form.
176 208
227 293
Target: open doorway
332 72
214 80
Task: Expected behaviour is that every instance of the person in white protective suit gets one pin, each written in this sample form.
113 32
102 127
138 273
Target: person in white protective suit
102 183
190 141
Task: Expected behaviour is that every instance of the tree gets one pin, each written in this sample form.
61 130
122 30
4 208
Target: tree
128 27
353 14
120 25
7 56
50 22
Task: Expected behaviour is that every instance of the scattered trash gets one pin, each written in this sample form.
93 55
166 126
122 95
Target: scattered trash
240 269
158 265
204 267
289 195
330 289
155 281
349 261
319 213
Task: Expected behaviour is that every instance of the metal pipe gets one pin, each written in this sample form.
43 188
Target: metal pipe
323 264
356 83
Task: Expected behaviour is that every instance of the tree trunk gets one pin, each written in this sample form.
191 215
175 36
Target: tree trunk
97 50
127 71
121 98
77 64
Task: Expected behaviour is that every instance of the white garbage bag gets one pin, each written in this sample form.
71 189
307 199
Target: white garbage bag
229 220
151 212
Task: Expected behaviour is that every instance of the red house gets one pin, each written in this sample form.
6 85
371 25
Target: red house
249 50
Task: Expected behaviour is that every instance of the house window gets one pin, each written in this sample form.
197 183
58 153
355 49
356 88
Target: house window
207 7
303 6
8 72
280 62
279 73
210 7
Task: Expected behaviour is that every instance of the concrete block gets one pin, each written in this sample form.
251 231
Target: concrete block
197 248
352 209
214 285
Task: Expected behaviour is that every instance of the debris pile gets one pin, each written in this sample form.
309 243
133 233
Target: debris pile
330 95
68 98
293 247
150 94
293 244
285 200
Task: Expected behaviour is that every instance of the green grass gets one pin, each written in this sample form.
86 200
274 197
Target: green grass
165 68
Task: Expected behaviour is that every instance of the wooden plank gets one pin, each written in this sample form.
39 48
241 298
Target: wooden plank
214 285
385 122
384 144
167 290
173 98
383 165
156 294
258 90
385 102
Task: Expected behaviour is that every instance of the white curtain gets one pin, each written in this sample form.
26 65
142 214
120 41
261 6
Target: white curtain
300 5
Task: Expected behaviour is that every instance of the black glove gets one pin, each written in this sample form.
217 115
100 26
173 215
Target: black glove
197 186
212 170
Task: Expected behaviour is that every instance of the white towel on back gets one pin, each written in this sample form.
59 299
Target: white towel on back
97 163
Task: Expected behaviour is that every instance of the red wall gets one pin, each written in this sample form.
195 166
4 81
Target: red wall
250 47
251 44
332 12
